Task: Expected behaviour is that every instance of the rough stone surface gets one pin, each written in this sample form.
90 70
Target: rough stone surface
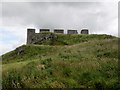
84 31
58 31
35 38
72 32
44 30
30 33
42 37
19 50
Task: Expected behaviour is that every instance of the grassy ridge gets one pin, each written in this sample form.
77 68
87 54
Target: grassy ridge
72 61
61 40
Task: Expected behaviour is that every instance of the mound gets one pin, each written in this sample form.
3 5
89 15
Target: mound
70 61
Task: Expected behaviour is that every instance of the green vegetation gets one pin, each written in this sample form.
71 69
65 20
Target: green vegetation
70 61
69 39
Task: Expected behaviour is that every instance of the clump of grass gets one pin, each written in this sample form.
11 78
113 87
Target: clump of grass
71 61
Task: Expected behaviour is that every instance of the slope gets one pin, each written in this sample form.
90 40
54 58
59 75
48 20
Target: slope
72 61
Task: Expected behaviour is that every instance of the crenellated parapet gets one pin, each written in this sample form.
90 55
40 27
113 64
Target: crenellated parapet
30 34
44 30
72 32
58 31
84 31
33 38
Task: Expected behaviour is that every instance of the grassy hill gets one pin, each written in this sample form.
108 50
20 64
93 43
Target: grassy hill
70 61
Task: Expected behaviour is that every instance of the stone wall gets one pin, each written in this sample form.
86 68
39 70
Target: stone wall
84 31
34 38
58 31
44 30
72 32
37 38
30 33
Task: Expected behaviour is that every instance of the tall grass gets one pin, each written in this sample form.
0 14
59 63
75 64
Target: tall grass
90 62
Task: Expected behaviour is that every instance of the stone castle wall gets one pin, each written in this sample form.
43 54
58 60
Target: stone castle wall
34 38
72 32
58 31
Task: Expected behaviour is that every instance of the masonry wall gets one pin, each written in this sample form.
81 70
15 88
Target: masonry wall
35 38
72 32
58 31
44 30
84 31
30 34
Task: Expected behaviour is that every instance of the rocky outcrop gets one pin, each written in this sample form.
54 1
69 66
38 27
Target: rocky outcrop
39 37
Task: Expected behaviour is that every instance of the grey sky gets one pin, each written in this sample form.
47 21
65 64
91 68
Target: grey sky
98 17
95 16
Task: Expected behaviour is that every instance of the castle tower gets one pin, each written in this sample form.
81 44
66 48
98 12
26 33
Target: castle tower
30 33
84 31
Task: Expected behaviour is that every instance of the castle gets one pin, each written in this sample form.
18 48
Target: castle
35 38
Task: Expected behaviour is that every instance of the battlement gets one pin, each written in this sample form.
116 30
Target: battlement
44 30
84 31
34 38
72 32
30 33
58 31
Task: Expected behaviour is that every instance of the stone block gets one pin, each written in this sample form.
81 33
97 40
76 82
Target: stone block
84 31
58 31
72 32
44 30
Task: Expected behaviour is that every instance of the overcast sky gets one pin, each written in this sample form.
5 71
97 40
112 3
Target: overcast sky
98 17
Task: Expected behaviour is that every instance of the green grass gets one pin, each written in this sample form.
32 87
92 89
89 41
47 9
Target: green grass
71 61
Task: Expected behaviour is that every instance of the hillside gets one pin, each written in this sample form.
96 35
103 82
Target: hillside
70 61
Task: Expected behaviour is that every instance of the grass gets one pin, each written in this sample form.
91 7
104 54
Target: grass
72 61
